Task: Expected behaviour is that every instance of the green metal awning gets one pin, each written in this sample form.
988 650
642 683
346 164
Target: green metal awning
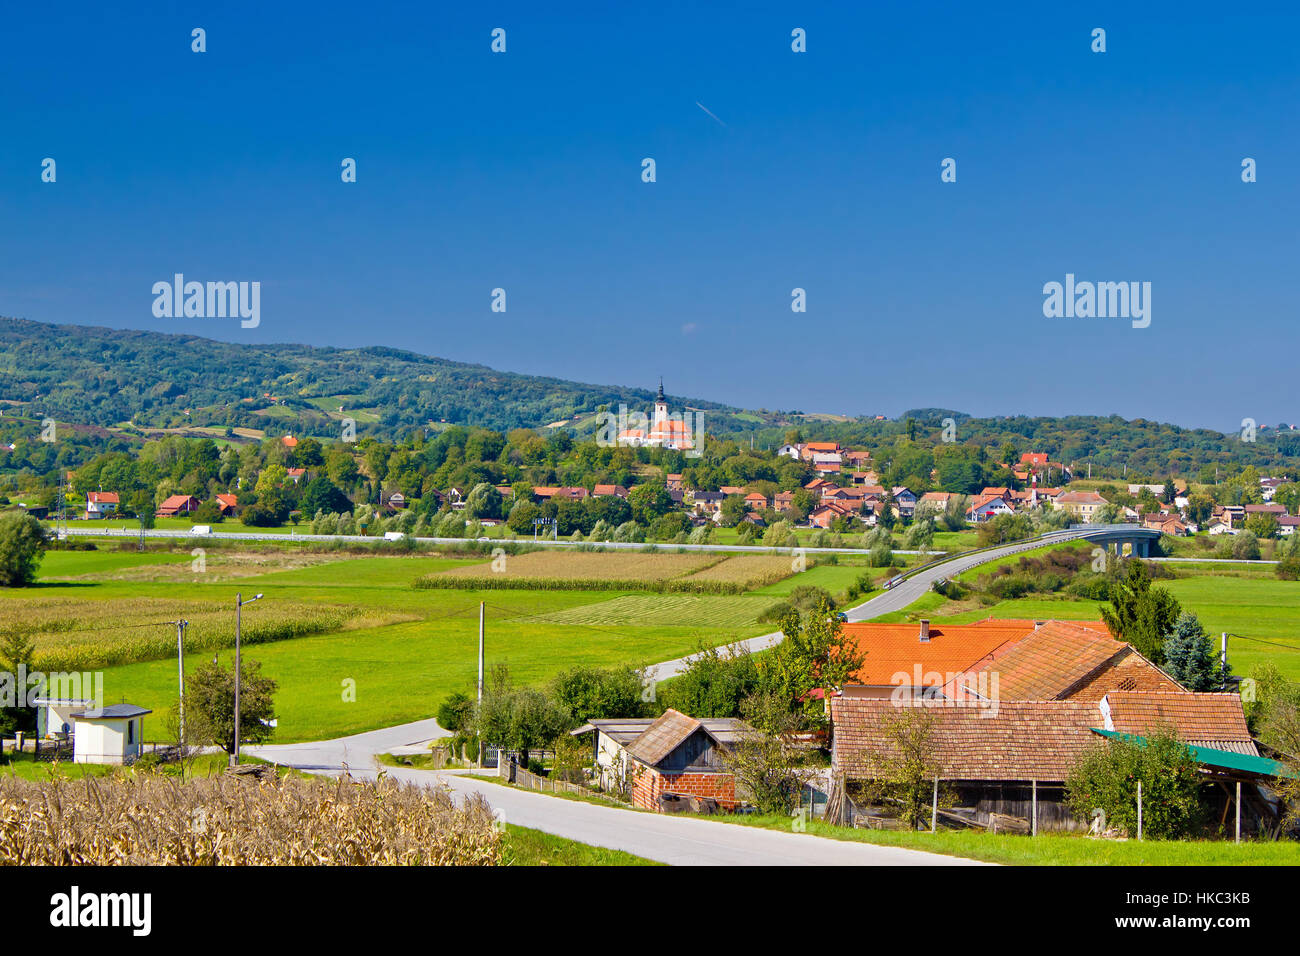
1213 757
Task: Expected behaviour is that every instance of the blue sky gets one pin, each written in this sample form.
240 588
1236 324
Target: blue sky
522 171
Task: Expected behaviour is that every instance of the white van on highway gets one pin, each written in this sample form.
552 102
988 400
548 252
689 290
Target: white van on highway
201 529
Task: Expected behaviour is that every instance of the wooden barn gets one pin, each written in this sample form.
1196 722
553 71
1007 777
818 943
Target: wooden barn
1009 759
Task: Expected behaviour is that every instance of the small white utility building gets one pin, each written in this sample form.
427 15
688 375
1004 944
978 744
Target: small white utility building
108 735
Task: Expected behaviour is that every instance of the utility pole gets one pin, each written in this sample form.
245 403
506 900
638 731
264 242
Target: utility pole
180 680
239 604
234 754
481 606
1139 809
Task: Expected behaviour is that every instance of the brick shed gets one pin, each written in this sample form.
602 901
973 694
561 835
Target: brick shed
672 753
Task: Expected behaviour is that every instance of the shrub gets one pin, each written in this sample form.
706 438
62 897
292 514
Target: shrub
806 597
881 556
22 544
1106 778
455 712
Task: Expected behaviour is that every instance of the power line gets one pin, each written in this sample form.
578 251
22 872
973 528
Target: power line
1260 640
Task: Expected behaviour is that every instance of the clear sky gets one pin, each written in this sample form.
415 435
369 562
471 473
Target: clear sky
818 170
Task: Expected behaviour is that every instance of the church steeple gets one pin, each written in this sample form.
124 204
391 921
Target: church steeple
661 389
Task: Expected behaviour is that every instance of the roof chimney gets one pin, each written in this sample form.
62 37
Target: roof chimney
925 631
1038 624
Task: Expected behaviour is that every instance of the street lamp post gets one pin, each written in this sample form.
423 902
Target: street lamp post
239 603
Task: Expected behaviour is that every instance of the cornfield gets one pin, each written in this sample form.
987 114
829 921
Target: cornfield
152 819
616 571
84 635
633 566
751 570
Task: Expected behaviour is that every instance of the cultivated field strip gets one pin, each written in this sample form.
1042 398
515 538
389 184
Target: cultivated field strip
88 634
596 571
661 610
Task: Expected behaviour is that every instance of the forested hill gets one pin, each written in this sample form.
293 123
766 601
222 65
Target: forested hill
108 377
136 383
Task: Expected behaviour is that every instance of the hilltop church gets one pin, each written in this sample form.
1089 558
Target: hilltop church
665 431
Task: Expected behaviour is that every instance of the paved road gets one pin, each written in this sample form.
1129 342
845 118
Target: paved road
675 840
895 599
357 751
667 839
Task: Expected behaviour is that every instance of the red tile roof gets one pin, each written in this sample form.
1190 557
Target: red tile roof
1045 664
894 654
1209 720
1030 740
1019 740
1080 498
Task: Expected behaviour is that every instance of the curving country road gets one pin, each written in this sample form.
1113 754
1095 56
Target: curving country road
681 841
895 599
668 839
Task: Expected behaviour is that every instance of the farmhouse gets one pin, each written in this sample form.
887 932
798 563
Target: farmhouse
935 501
178 505
827 451
708 503
1170 524
904 501
998 659
1081 504
827 514
670 754
101 504
1014 759
985 506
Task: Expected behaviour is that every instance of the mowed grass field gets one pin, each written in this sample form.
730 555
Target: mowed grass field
405 649
401 670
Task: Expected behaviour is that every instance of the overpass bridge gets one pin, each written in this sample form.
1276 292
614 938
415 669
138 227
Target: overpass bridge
1115 536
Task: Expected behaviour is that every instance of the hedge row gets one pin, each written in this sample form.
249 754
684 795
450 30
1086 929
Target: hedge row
501 582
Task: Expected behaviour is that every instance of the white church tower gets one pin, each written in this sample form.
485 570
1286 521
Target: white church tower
660 423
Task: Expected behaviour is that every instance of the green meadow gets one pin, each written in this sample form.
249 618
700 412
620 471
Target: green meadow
400 650
396 671
1260 613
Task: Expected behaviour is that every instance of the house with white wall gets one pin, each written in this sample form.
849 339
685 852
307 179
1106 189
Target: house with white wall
109 734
